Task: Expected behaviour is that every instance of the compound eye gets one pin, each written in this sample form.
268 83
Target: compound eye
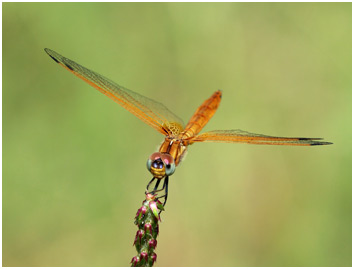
155 156
152 160
169 162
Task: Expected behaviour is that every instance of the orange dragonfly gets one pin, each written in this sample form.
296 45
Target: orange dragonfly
178 136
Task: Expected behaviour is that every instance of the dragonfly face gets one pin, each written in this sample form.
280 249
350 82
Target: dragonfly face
161 165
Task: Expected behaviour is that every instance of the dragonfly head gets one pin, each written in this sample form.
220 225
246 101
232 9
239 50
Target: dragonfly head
161 164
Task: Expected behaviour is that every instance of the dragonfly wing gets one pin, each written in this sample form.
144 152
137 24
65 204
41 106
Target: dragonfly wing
239 136
151 112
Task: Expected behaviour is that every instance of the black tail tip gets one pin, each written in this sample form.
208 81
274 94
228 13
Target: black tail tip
219 92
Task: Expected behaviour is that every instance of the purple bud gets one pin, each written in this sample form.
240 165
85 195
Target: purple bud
135 260
141 233
152 243
143 210
154 209
148 227
137 213
144 255
136 238
154 257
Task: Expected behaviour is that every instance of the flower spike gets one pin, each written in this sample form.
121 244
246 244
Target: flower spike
147 219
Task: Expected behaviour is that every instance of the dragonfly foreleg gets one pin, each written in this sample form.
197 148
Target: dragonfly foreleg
164 187
148 185
156 186
155 190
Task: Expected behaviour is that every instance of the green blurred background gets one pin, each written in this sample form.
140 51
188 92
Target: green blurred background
74 161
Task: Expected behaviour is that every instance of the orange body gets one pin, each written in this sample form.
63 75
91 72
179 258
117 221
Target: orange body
176 146
201 117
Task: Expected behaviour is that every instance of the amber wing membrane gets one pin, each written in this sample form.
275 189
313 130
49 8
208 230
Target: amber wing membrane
151 112
239 136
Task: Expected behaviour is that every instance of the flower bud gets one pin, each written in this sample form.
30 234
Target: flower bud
154 209
139 234
144 255
154 256
152 243
135 261
148 227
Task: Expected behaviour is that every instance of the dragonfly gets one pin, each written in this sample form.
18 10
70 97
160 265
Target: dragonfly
178 136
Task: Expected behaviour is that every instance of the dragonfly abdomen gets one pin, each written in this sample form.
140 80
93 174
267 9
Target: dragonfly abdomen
201 116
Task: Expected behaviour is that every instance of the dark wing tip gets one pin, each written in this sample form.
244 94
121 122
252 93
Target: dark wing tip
68 66
51 54
305 138
58 58
49 51
316 143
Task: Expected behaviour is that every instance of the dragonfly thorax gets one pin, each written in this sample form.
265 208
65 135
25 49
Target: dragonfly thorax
174 147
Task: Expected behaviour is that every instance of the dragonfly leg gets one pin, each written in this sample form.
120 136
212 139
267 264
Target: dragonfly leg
156 185
148 185
166 191
155 190
165 187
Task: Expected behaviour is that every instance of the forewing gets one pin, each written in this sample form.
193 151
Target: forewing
239 136
151 112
